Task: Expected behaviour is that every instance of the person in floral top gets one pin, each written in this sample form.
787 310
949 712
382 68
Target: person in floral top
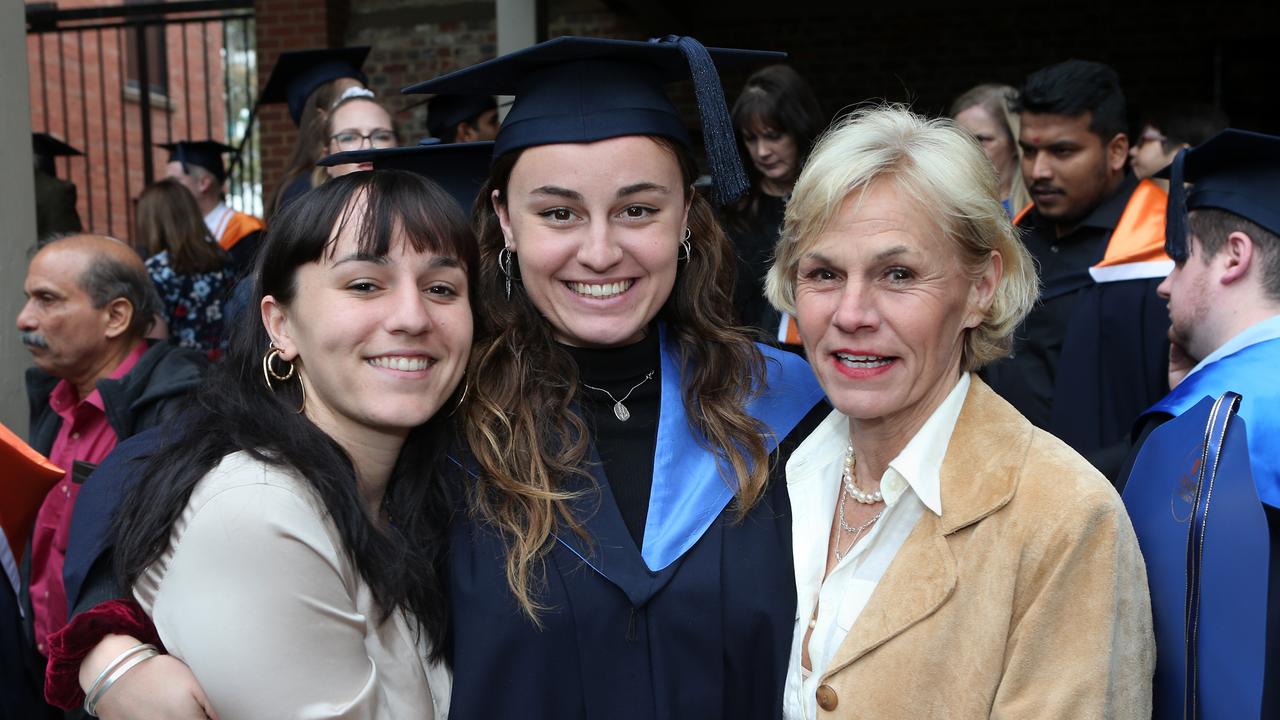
192 274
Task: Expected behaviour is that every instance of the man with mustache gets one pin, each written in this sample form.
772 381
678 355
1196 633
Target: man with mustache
96 380
1093 353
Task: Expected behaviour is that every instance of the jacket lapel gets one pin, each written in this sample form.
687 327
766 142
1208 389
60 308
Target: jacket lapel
979 475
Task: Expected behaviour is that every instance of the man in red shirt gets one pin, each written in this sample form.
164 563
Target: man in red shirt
96 380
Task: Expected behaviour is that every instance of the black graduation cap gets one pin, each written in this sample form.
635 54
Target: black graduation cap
444 112
1235 170
460 168
298 73
575 89
206 154
47 147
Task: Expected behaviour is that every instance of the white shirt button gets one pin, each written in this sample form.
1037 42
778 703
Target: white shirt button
75 436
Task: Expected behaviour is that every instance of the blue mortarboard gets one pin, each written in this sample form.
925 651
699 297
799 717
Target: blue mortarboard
579 90
460 168
297 74
444 112
1235 170
206 154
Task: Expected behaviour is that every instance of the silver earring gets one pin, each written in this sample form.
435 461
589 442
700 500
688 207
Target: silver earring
504 264
685 245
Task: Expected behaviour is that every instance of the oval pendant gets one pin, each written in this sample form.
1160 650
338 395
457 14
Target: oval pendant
621 412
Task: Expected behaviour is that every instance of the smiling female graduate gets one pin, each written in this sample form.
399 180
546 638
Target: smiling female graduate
627 552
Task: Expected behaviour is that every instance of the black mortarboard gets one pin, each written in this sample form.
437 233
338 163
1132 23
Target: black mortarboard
444 112
577 90
47 147
460 168
206 154
298 73
1235 170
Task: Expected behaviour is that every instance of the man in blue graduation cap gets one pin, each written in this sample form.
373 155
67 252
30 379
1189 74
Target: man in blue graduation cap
455 118
1224 291
1210 564
198 166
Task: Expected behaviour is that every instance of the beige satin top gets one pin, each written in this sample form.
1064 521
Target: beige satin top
256 595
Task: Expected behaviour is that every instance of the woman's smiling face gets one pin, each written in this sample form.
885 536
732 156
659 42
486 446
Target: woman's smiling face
595 229
380 341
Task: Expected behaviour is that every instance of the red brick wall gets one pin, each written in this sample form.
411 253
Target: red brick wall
78 93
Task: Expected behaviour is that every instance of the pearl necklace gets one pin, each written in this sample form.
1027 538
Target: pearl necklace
866 498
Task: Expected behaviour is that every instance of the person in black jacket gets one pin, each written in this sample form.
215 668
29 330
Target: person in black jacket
96 381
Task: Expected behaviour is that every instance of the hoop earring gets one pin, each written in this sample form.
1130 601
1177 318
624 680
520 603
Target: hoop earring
504 264
273 354
685 245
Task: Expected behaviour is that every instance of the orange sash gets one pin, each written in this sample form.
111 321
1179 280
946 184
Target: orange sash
240 225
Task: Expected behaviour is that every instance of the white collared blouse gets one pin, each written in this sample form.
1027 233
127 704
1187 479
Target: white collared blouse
910 486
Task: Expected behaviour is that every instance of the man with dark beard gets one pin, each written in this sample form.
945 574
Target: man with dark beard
1093 353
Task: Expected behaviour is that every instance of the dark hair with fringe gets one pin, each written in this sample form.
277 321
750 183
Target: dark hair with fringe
232 411
780 98
521 425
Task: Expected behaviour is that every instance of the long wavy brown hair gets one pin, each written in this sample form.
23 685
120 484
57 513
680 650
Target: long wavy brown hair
521 421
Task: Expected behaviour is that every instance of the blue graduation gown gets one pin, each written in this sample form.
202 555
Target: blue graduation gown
696 624
1237 650
1251 372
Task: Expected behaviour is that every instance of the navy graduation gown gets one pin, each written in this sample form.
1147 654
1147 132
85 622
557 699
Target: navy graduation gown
698 623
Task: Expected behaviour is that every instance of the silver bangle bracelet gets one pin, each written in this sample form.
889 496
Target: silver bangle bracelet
114 670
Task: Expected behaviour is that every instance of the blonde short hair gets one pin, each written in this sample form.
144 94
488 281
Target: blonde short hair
943 170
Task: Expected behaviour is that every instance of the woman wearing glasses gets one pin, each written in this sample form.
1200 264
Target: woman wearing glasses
356 122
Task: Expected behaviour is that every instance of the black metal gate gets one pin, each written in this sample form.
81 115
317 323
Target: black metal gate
115 80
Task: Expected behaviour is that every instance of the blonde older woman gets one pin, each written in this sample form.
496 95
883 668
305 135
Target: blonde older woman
952 561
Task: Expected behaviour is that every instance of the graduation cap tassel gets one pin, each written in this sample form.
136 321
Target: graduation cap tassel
730 181
1175 229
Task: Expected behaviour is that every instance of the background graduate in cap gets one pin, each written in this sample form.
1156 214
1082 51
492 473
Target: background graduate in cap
55 198
462 118
311 82
461 169
1223 232
197 165
626 553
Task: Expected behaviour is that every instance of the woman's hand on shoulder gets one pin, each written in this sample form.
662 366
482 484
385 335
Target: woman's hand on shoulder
161 688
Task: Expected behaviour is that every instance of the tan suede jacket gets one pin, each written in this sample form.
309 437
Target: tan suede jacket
1027 598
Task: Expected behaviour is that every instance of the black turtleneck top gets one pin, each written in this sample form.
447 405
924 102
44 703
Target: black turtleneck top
625 447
